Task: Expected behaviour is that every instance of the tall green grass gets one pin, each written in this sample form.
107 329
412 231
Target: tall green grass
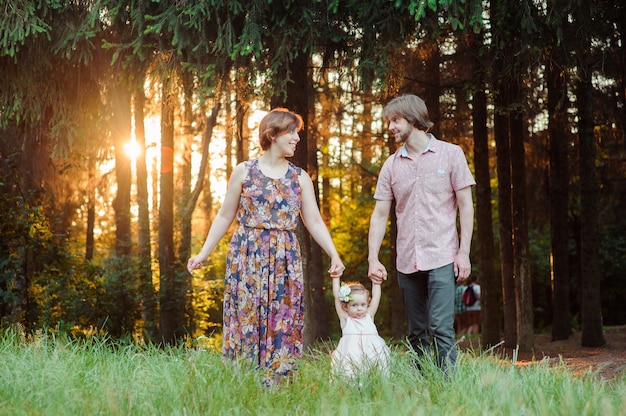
56 376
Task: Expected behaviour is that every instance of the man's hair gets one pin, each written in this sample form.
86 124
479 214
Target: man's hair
410 107
276 122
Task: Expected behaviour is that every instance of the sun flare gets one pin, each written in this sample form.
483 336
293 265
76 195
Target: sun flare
132 149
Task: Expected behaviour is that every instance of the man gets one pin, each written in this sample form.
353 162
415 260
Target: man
430 182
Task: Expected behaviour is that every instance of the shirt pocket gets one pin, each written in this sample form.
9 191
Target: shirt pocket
438 182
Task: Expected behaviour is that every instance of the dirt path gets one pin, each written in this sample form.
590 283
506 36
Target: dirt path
608 361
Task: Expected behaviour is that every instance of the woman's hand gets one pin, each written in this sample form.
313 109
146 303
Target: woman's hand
336 268
194 263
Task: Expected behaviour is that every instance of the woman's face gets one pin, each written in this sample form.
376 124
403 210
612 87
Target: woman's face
286 142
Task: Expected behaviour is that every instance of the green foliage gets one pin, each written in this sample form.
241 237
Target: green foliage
77 298
63 292
349 231
120 302
24 233
453 11
540 271
20 19
48 91
207 304
66 295
613 267
208 291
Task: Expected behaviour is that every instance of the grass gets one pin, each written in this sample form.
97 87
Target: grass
56 376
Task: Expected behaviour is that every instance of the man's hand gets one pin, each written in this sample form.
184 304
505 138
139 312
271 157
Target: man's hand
462 267
377 272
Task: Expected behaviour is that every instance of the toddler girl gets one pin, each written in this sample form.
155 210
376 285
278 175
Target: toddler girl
360 347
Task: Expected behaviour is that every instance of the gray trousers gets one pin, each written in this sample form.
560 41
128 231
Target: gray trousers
429 306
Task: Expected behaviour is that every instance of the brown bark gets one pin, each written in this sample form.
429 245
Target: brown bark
120 130
591 313
91 209
187 135
185 212
559 197
368 181
146 286
501 133
521 260
242 113
170 304
490 290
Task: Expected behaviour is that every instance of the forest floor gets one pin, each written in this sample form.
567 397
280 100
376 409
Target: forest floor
607 362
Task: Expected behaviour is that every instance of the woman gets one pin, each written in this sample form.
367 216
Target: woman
263 291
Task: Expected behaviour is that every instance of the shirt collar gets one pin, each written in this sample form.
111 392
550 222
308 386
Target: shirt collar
430 147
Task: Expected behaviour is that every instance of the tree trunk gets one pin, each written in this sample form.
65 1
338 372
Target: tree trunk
368 181
521 261
503 166
591 314
187 136
169 288
318 274
120 131
242 111
432 88
91 209
184 246
490 289
559 197
146 286
322 133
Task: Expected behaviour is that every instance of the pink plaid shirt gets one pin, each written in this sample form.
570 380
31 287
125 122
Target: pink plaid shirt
424 190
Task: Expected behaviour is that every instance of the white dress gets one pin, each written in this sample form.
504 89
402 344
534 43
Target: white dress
360 348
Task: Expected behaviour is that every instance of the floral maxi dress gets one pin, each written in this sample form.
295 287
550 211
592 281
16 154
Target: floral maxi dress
263 292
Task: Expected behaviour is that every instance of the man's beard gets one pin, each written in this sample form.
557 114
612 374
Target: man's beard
404 134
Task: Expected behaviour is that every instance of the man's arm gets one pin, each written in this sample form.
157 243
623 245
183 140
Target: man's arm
378 226
462 265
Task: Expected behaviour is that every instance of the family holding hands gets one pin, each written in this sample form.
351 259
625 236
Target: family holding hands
430 182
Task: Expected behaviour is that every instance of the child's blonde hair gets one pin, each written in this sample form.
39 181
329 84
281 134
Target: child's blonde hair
356 287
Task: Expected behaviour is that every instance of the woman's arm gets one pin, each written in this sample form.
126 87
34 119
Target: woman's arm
317 228
224 217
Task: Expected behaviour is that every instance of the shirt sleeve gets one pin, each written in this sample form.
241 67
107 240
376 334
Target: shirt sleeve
461 174
383 185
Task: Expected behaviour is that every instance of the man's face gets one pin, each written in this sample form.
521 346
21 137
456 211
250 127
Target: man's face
400 128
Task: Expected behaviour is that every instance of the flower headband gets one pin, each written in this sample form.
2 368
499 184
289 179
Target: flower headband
344 293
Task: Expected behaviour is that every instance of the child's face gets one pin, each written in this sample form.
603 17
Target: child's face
357 307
